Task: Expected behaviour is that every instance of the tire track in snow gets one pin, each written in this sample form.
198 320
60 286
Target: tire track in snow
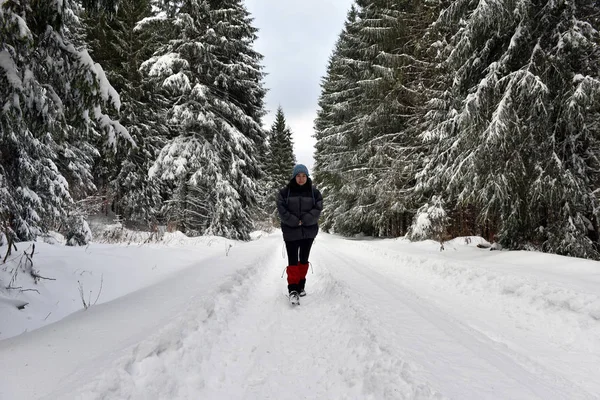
166 365
243 341
433 336
322 349
524 324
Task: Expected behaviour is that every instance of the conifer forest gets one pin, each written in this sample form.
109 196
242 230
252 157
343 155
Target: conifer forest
436 119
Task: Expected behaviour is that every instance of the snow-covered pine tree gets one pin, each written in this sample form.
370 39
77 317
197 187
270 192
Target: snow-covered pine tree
369 109
431 221
515 133
213 79
278 165
336 131
281 152
53 98
390 41
368 33
120 47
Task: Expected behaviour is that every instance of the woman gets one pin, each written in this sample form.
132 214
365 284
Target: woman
299 205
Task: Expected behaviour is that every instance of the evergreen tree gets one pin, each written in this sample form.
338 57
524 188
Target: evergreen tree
213 81
120 46
514 134
55 99
281 152
431 222
390 39
366 135
278 164
336 130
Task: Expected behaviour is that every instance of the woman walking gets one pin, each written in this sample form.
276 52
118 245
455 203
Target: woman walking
299 205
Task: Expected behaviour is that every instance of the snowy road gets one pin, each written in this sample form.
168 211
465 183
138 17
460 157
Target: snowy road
451 354
381 321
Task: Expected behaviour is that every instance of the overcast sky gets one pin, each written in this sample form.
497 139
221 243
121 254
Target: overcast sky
296 38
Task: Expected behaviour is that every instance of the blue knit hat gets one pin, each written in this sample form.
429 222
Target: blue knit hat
298 169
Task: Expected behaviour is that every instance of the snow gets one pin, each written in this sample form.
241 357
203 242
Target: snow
430 221
108 93
383 319
10 70
178 82
113 127
200 91
161 16
165 64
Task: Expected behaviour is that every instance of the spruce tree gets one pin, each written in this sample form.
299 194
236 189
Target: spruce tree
389 37
121 46
281 152
278 163
336 131
514 133
366 127
54 112
212 79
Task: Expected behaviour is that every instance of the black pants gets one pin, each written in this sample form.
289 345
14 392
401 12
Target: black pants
298 250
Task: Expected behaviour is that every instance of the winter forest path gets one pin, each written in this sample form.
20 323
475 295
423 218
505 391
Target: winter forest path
371 327
361 334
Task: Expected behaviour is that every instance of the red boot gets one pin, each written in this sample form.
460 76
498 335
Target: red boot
303 270
293 278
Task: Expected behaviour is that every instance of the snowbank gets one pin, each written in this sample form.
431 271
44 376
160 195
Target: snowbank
74 278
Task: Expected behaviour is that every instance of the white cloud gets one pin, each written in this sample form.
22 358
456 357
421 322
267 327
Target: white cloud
296 39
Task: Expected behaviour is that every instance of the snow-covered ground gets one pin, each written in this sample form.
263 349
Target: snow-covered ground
383 319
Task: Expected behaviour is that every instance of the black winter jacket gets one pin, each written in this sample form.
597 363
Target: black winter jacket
297 203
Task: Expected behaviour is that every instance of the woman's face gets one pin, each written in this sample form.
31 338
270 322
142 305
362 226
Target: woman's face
301 178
